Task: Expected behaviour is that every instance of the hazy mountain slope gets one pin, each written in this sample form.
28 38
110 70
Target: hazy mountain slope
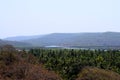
14 43
20 38
78 39
53 39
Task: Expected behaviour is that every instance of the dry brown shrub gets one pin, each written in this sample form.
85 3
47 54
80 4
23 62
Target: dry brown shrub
15 67
90 73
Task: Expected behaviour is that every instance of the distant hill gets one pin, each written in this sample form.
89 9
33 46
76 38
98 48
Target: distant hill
78 39
14 43
106 39
20 38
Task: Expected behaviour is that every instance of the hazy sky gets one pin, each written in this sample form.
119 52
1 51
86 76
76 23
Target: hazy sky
31 17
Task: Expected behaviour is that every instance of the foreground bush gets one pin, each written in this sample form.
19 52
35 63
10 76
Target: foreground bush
26 71
16 65
90 73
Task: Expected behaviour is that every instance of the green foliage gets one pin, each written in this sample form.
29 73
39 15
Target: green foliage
69 62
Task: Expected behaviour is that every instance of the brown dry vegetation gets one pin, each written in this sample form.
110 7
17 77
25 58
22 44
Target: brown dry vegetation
90 73
25 71
21 66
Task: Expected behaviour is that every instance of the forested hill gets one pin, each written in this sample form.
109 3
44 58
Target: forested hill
14 43
78 39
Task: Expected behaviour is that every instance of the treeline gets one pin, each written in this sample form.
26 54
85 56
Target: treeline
69 62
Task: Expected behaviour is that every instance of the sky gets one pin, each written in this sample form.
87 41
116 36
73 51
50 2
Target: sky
34 17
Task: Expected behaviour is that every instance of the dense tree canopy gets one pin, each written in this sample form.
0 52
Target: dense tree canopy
69 62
